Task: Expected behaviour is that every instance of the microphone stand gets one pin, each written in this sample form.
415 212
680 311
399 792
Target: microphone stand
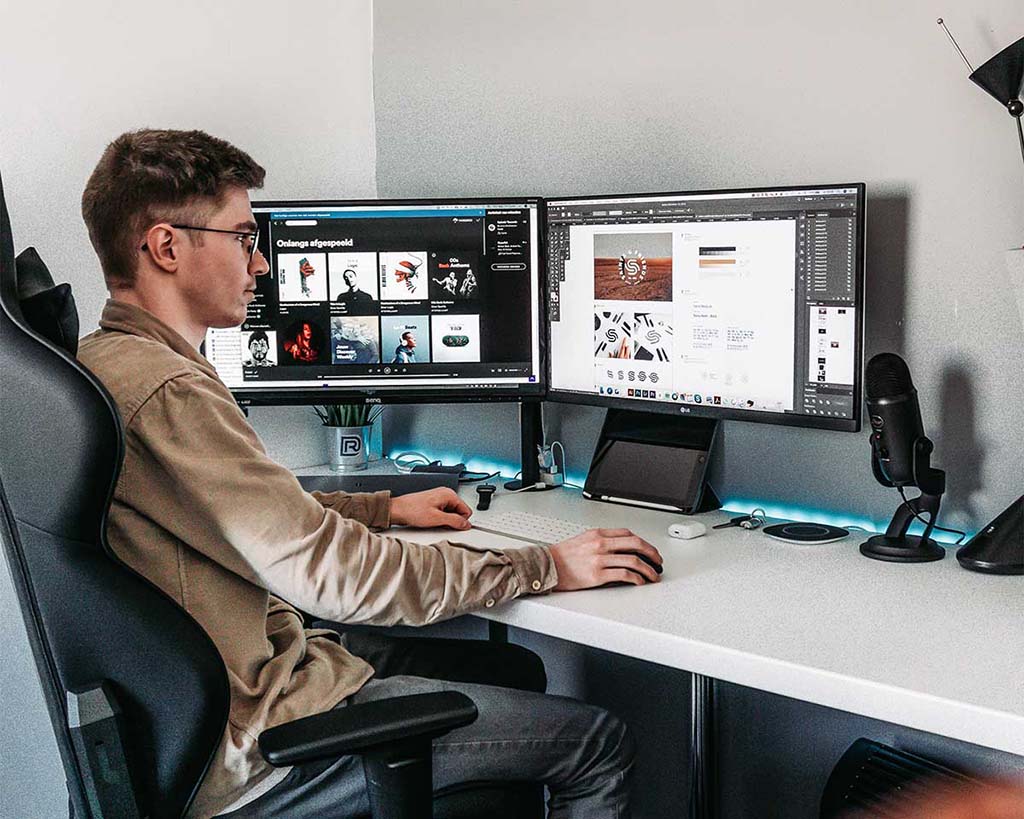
896 546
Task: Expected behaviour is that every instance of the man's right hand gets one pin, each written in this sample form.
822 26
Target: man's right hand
600 556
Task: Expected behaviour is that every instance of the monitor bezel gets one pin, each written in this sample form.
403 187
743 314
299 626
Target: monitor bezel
726 413
409 394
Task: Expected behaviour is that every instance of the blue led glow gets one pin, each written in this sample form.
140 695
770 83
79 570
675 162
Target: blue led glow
734 505
506 470
472 464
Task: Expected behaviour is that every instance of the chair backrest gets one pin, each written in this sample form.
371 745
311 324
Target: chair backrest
90 618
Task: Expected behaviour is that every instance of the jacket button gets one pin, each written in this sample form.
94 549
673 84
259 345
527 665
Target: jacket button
536 585
489 603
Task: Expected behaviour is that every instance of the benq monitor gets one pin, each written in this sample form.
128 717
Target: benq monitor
732 304
390 301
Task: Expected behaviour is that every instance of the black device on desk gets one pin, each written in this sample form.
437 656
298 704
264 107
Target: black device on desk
395 484
677 310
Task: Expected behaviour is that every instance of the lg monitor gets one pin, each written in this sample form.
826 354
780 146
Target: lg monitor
390 301
735 304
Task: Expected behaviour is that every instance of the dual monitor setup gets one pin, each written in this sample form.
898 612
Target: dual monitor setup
672 310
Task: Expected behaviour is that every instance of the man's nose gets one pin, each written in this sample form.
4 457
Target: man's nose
258 265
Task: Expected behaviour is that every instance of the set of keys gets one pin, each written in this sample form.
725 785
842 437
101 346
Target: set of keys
752 521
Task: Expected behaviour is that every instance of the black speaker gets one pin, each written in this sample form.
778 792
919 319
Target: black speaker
999 547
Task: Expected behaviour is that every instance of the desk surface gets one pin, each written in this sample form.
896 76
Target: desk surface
930 645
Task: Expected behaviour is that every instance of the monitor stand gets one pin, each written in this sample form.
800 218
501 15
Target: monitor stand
655 461
531 436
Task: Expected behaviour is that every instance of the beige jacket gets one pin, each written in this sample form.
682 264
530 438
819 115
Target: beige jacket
205 514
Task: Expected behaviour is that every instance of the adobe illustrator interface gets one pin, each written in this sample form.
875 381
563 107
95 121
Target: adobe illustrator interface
744 302
390 295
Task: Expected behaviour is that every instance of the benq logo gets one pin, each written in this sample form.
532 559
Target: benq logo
351 444
684 410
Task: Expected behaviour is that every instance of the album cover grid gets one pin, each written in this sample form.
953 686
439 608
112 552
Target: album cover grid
368 308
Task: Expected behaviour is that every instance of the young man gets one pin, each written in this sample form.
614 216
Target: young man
228 533
353 295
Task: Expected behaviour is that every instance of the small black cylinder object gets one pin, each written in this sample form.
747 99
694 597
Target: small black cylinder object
895 417
484 492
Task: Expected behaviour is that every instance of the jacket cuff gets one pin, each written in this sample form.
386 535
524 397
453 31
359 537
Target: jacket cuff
534 569
378 509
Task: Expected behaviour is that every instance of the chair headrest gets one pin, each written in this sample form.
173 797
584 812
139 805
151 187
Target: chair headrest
48 310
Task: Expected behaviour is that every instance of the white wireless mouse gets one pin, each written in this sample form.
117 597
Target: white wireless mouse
687 530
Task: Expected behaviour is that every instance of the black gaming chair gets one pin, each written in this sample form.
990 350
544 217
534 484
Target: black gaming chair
136 692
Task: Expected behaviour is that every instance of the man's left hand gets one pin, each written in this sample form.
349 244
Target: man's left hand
430 509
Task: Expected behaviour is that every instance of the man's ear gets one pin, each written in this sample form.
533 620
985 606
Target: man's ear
162 246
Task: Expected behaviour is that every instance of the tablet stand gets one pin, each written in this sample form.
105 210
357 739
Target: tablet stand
653 460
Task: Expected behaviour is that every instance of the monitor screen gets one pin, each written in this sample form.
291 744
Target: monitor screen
391 301
744 304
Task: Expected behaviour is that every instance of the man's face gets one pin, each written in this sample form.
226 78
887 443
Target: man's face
350 278
410 341
217 278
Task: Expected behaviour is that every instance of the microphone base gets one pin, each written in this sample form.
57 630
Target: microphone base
906 549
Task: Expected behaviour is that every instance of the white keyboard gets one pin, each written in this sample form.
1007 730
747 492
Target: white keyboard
534 528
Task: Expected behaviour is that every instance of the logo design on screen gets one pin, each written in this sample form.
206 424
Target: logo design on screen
455 341
351 444
632 267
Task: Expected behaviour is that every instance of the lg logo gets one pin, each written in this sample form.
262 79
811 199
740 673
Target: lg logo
351 444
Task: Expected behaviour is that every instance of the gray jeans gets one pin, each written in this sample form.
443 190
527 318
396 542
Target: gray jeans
582 753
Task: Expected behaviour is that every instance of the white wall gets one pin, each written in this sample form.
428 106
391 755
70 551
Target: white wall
289 83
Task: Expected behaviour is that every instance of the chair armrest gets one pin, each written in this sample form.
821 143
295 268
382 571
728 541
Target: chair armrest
355 729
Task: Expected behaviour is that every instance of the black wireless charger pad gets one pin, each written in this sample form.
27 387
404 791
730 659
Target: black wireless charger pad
805 532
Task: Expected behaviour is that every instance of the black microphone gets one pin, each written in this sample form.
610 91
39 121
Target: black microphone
895 417
900 455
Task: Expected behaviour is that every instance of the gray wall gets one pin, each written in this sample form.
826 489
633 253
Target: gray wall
294 88
590 97
548 98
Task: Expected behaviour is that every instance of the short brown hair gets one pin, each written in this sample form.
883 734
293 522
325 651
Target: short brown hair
148 176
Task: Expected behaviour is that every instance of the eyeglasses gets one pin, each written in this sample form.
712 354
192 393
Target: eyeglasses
252 236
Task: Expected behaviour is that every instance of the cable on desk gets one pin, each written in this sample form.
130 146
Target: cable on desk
475 477
906 503
405 461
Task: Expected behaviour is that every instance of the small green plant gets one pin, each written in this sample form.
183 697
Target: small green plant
348 415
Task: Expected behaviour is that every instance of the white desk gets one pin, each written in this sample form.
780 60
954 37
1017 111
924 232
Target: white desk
930 645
